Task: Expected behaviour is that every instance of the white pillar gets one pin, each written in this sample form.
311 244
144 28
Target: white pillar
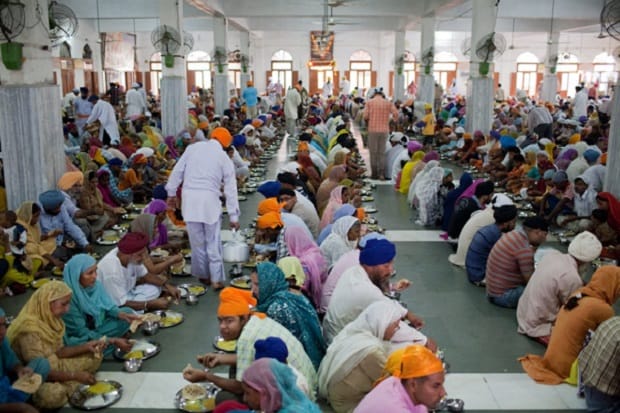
550 81
31 126
220 84
244 49
426 88
173 82
399 78
612 177
480 88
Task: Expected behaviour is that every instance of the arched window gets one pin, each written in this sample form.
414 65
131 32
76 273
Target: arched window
409 67
199 63
234 68
65 50
444 69
568 73
360 70
155 69
527 72
604 73
282 68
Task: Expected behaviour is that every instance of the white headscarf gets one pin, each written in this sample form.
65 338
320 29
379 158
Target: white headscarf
427 193
356 341
337 242
411 194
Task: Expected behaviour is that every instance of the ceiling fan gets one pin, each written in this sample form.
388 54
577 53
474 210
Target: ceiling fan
332 21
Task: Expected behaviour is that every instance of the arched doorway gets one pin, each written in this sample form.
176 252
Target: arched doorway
67 74
444 69
526 77
153 80
604 74
282 69
568 74
360 73
408 71
199 68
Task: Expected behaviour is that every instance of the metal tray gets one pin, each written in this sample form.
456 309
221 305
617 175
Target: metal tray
219 344
244 282
184 288
370 209
102 241
185 272
84 400
205 404
149 348
169 314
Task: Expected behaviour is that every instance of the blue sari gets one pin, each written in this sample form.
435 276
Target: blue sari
448 206
293 311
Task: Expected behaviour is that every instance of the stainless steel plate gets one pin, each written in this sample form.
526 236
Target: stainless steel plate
244 282
196 289
205 404
226 346
169 318
148 348
83 399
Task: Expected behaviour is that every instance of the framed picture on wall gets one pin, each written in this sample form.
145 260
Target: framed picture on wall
321 45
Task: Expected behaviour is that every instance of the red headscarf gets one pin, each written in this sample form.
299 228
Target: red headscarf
613 211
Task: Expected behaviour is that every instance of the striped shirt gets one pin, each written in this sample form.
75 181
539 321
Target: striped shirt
510 262
600 360
377 113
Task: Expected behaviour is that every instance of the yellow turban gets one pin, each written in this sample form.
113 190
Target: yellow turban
69 179
235 302
418 361
269 205
270 220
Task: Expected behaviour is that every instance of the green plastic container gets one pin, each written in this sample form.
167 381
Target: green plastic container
169 60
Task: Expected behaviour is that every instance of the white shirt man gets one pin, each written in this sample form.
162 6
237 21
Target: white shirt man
292 102
203 169
105 114
136 105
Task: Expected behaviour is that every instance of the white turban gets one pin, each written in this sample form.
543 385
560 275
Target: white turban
585 247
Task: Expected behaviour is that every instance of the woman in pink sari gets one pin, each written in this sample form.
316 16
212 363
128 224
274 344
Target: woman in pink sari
337 198
103 184
300 245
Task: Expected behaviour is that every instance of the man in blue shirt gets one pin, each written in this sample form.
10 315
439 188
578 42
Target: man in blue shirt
250 96
483 241
54 216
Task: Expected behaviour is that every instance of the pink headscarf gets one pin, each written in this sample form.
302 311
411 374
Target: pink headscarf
300 245
334 203
260 377
471 189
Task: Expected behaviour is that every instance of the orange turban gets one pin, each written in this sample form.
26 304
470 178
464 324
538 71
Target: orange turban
235 302
418 361
447 130
303 146
223 136
257 123
270 220
392 365
69 179
574 138
467 136
269 205
203 125
604 159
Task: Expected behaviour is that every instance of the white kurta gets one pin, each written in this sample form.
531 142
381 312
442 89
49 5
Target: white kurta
202 169
117 280
104 113
555 278
353 293
136 105
478 220
292 102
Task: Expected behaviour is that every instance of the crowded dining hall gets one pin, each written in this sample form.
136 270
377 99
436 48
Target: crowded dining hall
321 206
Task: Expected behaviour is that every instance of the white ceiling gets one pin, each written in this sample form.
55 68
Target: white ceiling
365 15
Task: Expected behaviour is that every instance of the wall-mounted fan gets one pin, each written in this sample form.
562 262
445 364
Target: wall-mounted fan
63 22
188 43
489 47
167 41
610 18
220 57
552 62
428 56
466 46
12 22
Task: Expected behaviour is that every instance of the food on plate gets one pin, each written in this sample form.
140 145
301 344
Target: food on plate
134 354
101 387
194 392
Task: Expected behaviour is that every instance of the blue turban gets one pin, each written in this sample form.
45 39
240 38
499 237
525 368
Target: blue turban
270 189
239 140
263 118
549 174
271 347
115 162
377 252
507 141
591 155
51 199
247 122
495 134
159 192
275 108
